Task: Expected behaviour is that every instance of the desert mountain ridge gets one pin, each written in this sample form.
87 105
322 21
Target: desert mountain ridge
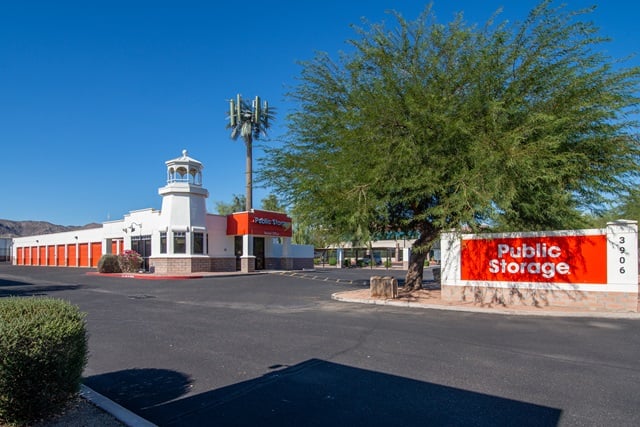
9 228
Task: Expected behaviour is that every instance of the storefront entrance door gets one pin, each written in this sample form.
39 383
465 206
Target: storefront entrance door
142 245
258 252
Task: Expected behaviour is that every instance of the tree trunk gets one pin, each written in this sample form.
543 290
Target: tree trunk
413 280
419 251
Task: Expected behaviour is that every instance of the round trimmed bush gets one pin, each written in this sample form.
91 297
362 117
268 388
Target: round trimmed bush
43 351
109 263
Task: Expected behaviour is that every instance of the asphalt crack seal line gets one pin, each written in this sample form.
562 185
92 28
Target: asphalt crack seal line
324 279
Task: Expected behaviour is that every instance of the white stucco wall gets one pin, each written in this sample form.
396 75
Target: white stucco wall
220 245
67 237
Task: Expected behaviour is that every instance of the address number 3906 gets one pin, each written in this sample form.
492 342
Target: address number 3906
622 260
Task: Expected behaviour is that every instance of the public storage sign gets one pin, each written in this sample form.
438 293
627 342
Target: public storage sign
555 259
261 223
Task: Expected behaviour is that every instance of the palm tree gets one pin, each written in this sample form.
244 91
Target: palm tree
249 122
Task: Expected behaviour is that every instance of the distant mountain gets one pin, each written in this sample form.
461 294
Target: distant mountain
10 228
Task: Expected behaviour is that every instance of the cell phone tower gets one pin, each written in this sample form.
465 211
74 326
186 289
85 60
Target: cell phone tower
249 121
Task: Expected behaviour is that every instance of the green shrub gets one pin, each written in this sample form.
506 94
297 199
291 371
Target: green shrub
130 261
333 261
43 351
109 263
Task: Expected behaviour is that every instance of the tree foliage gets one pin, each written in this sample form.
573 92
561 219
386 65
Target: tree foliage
429 126
238 204
627 207
271 203
630 207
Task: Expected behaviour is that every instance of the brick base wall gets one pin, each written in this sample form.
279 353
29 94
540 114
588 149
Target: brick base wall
223 264
288 263
272 264
594 301
247 264
302 264
195 265
191 265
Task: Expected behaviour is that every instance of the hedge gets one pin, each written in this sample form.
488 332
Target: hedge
109 263
43 351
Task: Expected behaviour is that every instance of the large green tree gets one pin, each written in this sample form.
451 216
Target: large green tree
428 126
238 204
239 201
630 207
271 203
627 207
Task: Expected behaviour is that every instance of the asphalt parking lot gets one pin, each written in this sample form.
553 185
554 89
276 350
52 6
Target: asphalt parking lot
274 349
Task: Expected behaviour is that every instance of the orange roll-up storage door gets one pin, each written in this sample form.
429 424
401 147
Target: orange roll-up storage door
84 254
60 251
71 255
51 255
19 254
43 255
96 253
117 247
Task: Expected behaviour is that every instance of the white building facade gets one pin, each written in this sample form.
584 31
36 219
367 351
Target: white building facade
180 238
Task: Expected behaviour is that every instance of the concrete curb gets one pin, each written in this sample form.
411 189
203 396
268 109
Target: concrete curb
152 276
121 414
502 311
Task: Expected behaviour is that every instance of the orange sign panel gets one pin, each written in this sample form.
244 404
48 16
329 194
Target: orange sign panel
554 259
259 223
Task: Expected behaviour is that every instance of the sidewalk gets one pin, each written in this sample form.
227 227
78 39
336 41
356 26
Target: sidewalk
430 298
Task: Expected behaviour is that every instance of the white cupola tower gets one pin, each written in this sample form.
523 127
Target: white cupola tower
183 198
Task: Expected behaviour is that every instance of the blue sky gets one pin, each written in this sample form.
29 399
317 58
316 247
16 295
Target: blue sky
96 96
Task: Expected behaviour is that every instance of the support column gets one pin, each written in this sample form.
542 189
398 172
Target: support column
406 257
247 260
286 262
340 257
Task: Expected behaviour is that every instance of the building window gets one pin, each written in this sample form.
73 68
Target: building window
163 242
198 243
179 242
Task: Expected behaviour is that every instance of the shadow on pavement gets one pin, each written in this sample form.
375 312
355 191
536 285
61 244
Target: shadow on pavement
12 288
139 389
317 393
